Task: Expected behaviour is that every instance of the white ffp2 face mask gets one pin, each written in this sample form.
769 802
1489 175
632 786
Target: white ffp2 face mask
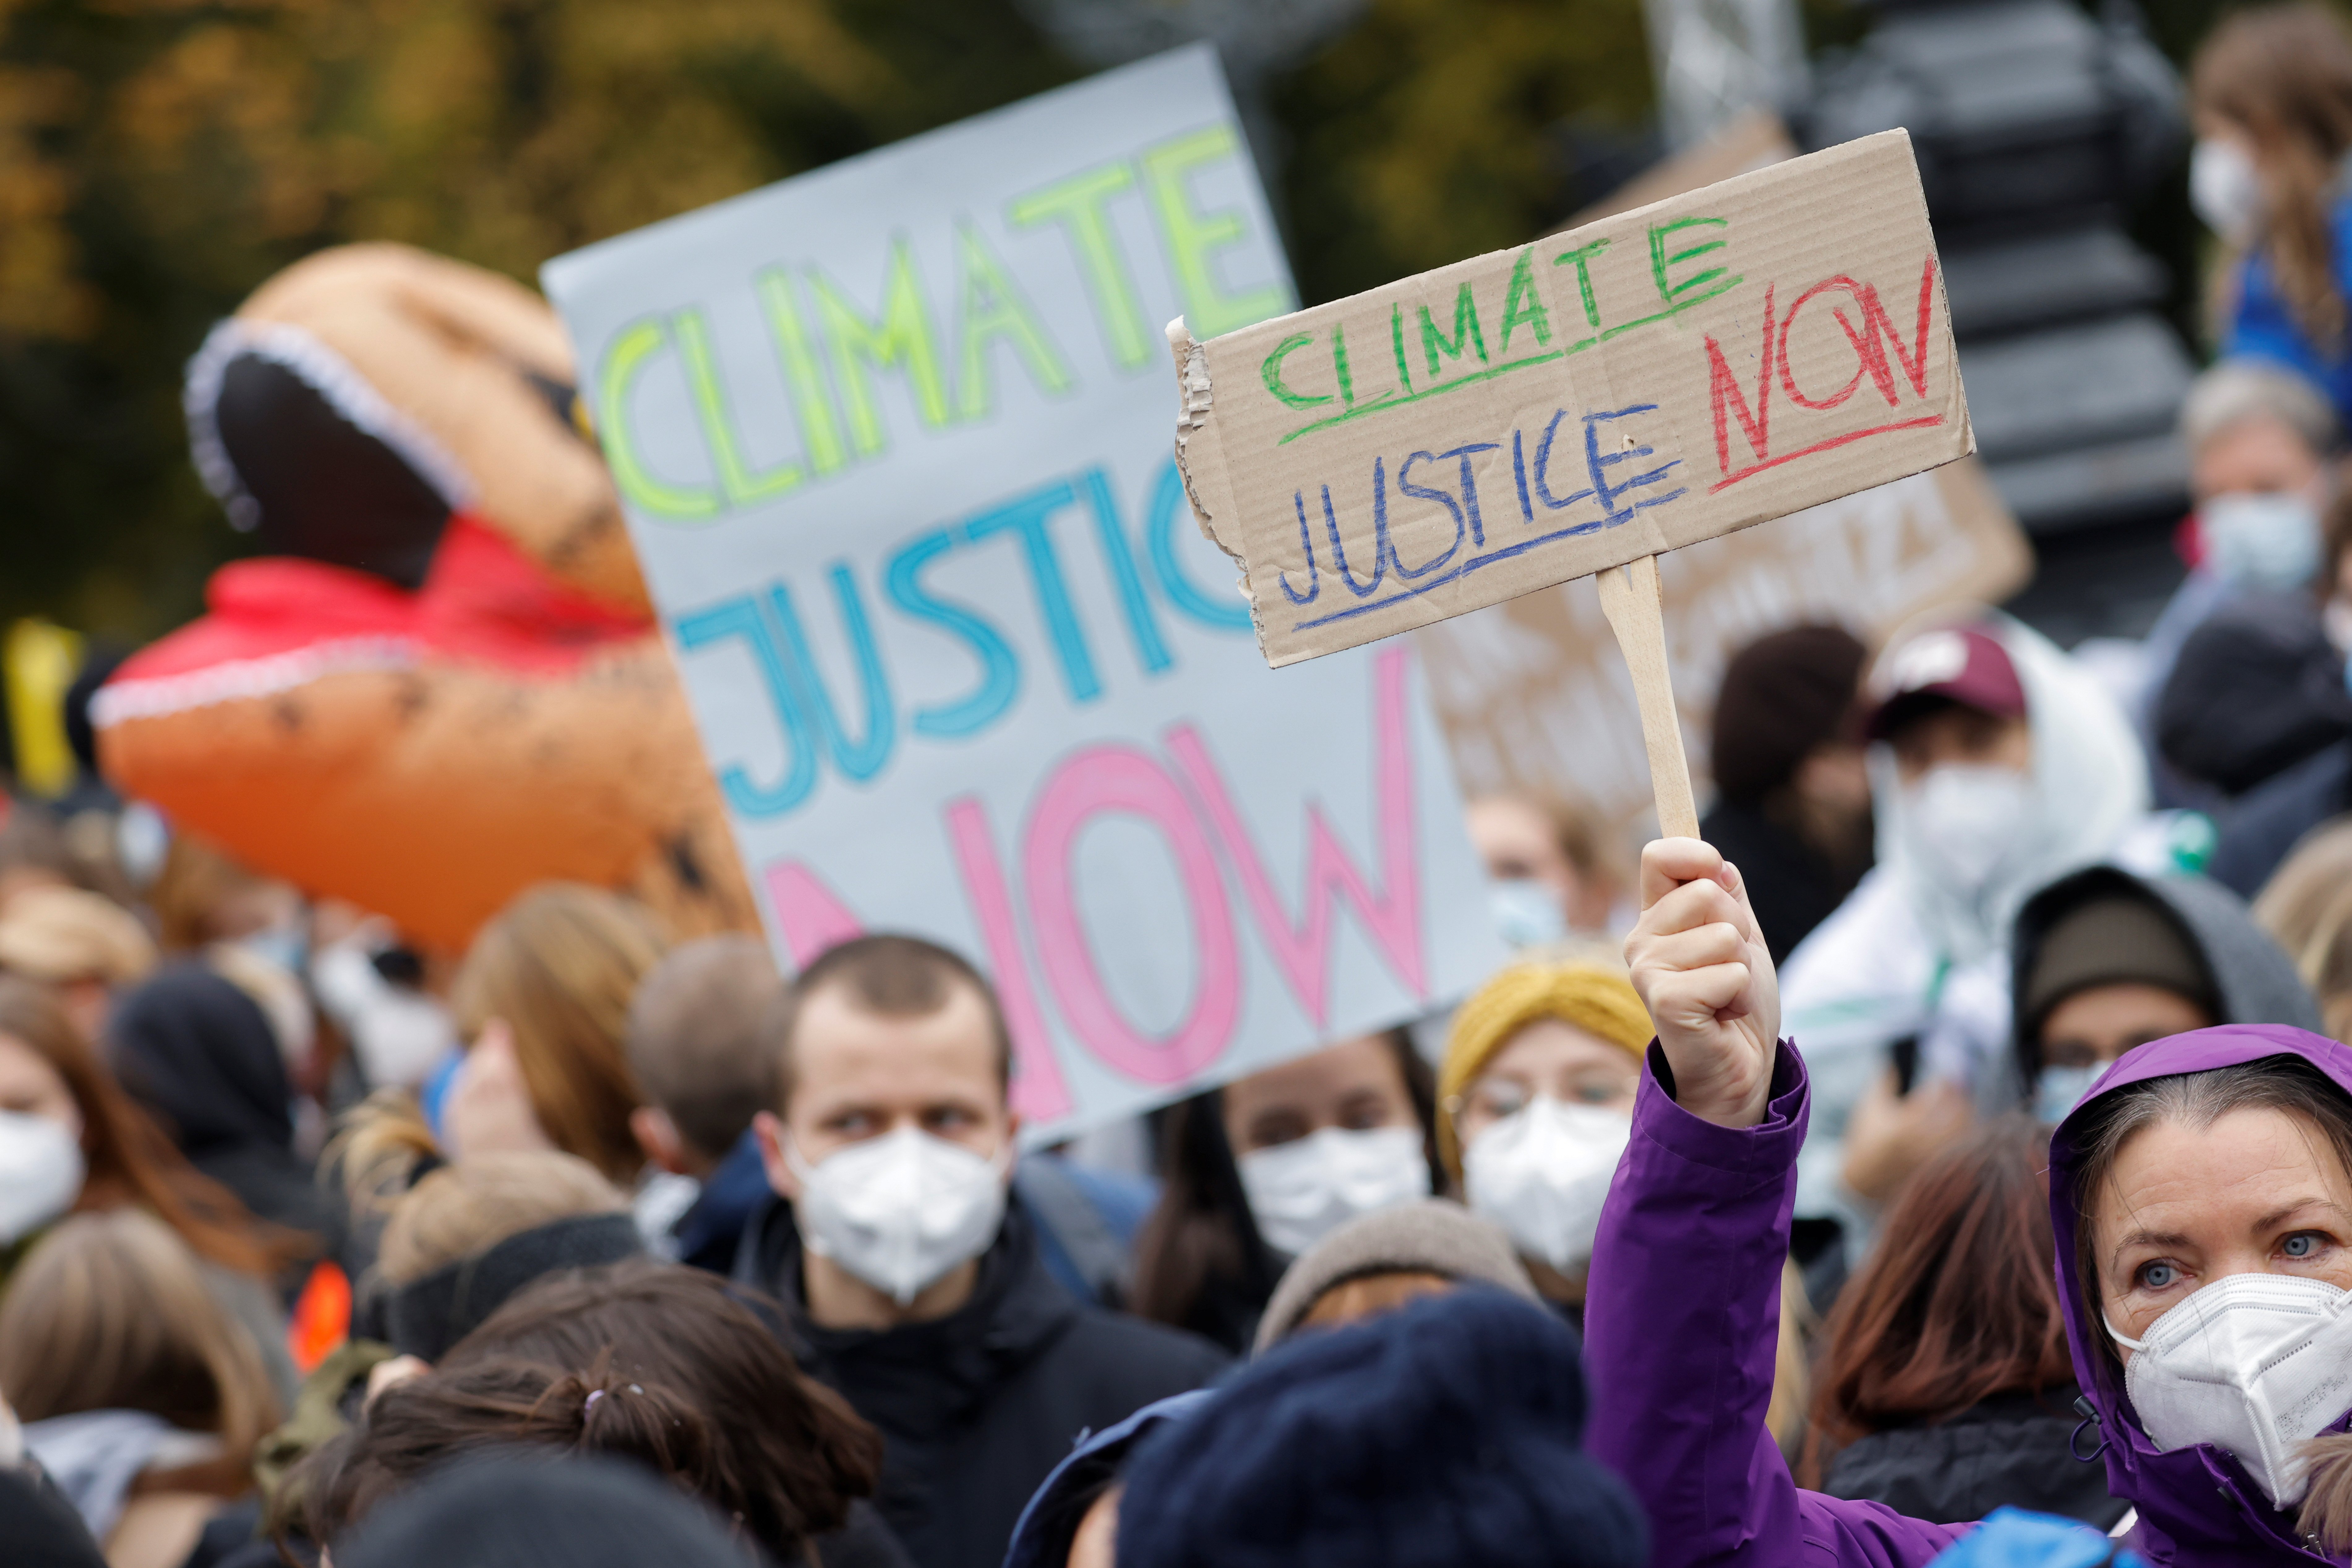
1527 912
2254 1364
1301 1190
1542 1173
2059 1090
901 1210
1963 819
41 1171
2268 541
2226 189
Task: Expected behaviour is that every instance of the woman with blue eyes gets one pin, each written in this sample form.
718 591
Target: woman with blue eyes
2200 1197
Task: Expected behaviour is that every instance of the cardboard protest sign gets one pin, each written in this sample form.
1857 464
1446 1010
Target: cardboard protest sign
891 439
1534 697
1664 375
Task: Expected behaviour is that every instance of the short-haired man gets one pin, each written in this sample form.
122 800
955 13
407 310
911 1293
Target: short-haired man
912 1285
701 1045
2241 678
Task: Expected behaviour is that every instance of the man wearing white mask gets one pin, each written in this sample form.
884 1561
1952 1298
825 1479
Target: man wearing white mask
1997 764
2259 440
912 1286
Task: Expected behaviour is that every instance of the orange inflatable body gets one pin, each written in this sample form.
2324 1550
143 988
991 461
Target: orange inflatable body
442 684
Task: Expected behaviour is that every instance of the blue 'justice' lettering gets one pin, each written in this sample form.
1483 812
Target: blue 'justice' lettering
1612 495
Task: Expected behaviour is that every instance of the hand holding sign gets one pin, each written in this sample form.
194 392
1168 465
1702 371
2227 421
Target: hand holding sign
1660 378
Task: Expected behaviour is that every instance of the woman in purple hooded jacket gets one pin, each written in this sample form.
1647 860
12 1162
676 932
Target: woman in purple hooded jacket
2201 1194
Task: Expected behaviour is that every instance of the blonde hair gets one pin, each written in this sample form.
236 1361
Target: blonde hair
2308 909
463 1210
110 1311
62 934
559 967
453 1211
1589 997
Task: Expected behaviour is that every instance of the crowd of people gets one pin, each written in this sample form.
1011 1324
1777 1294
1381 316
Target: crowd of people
1963 1127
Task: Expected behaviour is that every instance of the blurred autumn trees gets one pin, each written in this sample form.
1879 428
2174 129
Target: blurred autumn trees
158 158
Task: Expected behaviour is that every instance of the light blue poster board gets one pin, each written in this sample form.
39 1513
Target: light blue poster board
894 443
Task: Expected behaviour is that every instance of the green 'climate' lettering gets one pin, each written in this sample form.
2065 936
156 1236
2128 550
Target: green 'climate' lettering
901 339
830 352
1449 357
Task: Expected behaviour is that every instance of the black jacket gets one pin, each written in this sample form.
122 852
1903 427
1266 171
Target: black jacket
201 1056
2258 687
2011 1449
1793 886
977 1408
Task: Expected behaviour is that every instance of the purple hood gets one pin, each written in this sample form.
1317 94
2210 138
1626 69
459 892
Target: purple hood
2196 1501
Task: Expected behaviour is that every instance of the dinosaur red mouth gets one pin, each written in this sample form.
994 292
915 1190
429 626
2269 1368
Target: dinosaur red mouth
407 703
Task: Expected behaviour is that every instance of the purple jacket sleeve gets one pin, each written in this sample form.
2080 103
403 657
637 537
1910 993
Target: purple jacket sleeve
1680 1322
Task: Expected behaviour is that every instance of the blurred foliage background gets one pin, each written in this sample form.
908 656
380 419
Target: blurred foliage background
160 158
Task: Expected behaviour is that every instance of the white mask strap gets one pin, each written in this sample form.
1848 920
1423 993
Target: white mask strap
2117 1335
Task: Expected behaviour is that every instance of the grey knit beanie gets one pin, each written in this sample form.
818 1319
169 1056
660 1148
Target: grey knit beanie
1434 1235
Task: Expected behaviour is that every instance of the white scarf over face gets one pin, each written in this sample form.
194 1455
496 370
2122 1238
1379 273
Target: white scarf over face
2087 784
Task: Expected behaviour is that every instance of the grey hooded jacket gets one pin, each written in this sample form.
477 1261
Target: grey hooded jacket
2255 981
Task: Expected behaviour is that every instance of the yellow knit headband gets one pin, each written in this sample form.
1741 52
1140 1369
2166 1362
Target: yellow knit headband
1598 1000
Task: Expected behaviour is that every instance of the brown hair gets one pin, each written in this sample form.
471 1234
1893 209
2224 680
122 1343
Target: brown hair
1956 1304
1368 1295
687 1379
2283 73
196 881
558 966
1200 1263
109 1311
701 1037
892 977
130 1160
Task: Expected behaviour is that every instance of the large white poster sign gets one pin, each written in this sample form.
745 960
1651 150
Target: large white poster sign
892 439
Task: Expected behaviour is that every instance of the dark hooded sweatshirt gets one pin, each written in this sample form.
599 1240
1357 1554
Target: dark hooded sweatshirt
979 1408
2254 980
200 1054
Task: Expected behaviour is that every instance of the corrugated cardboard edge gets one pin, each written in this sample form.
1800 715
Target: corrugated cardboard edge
1200 451
1201 456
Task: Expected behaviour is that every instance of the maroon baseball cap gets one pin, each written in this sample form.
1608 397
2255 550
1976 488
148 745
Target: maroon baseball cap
1966 665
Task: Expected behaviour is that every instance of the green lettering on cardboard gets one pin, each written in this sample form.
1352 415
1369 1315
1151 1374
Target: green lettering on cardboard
736 476
1466 325
1660 260
812 402
1340 364
1581 258
1271 372
1079 204
901 340
1524 302
637 343
1192 236
993 308
1396 342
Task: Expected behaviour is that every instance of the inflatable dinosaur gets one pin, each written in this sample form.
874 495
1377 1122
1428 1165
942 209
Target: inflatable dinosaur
441 681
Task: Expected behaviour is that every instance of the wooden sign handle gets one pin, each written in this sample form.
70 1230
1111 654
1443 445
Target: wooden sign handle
1630 598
